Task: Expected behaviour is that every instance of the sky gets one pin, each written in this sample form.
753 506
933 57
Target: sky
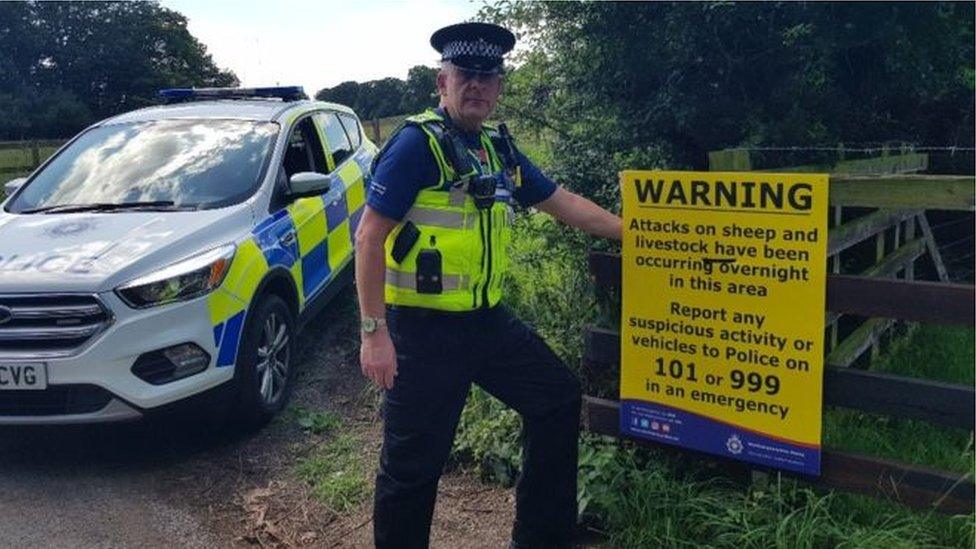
318 44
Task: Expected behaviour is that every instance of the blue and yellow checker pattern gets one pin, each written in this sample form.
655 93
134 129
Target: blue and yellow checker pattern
324 228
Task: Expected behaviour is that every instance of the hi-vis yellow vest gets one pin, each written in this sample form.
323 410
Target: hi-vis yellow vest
472 243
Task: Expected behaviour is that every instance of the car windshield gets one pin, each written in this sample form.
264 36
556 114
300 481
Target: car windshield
174 163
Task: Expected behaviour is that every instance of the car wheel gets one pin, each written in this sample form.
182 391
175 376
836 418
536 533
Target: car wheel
264 368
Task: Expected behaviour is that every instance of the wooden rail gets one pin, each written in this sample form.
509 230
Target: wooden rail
929 192
892 298
740 160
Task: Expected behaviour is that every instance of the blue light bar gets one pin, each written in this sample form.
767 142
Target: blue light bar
285 93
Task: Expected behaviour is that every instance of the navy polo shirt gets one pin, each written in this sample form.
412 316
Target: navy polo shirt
408 165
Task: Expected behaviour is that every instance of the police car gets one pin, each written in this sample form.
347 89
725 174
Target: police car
173 252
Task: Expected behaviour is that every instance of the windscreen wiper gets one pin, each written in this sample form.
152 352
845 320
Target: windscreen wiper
163 205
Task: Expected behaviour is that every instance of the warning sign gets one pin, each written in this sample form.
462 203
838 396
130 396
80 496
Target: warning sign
724 280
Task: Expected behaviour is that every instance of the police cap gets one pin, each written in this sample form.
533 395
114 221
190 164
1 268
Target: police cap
477 47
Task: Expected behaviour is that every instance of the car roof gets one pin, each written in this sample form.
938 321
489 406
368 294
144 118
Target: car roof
244 109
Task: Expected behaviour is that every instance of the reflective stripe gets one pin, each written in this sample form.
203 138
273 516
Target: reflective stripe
408 281
440 218
349 173
309 221
246 272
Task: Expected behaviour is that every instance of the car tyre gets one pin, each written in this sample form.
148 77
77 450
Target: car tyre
264 371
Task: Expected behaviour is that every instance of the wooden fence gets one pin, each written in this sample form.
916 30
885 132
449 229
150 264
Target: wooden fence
883 292
899 229
379 129
31 155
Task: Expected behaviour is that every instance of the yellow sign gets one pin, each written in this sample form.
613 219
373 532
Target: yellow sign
722 328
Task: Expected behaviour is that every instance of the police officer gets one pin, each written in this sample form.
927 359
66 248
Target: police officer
430 257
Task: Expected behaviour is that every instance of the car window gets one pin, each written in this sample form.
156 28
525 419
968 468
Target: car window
352 129
304 150
339 145
190 162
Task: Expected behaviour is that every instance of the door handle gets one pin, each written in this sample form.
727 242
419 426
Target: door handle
287 239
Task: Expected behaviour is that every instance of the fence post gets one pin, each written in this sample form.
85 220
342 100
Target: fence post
35 155
933 247
909 236
879 255
835 268
729 160
376 130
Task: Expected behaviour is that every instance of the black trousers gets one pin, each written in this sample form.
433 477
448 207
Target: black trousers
439 355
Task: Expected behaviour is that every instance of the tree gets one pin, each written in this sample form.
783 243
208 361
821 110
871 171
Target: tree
386 96
381 98
421 89
660 84
346 93
64 65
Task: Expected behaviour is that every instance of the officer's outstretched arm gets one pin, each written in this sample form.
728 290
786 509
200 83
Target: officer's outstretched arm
377 356
576 211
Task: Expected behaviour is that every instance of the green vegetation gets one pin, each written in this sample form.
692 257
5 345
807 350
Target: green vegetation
337 473
20 158
317 422
488 438
334 470
942 353
64 66
646 499
901 439
386 97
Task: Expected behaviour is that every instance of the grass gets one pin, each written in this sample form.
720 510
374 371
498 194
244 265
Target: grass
335 470
651 500
22 157
19 158
336 473
943 353
317 422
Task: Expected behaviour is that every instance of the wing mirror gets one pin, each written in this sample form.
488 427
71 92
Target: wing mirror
303 184
10 187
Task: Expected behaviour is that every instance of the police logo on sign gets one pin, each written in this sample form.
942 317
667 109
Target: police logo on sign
734 445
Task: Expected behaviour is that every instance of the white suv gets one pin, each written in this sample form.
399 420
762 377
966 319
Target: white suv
175 250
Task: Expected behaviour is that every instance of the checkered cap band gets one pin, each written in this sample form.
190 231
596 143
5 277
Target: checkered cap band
478 48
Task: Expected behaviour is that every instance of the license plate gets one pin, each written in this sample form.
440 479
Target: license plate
22 377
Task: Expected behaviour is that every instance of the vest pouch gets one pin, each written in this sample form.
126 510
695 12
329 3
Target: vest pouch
429 273
404 241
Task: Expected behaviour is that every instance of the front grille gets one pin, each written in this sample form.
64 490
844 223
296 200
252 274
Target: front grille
49 325
55 400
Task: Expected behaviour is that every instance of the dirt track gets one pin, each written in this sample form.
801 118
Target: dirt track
172 483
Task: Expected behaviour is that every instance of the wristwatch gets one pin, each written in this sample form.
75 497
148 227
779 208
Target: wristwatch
370 324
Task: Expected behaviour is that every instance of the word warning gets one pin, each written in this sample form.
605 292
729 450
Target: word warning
722 328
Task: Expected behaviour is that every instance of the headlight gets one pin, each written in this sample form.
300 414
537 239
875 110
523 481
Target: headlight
180 281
